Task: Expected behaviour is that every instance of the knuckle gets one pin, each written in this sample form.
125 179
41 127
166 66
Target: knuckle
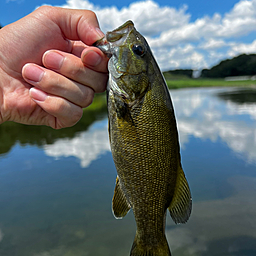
76 116
42 8
76 71
59 107
45 9
68 120
102 84
91 14
72 68
51 83
88 98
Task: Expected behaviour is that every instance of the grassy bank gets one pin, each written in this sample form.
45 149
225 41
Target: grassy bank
99 103
188 82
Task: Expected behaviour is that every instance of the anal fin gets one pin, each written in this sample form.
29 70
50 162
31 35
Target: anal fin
120 205
181 205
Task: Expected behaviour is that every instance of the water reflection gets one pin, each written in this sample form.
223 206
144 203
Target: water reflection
86 146
12 133
55 191
221 227
202 115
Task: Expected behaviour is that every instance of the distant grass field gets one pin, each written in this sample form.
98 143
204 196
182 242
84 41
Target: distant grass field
183 81
201 82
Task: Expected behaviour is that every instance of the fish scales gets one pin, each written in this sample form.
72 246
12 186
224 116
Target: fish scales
145 147
144 142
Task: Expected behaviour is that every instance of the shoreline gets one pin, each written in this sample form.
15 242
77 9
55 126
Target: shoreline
202 82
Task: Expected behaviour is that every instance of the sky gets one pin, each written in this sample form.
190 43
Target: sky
192 34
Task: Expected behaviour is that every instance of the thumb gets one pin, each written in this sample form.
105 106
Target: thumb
75 24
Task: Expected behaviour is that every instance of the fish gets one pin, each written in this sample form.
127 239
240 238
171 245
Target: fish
144 141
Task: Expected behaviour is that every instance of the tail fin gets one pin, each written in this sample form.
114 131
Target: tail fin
161 249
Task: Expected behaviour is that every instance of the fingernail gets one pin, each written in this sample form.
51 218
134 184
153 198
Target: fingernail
37 95
91 58
33 73
53 60
100 33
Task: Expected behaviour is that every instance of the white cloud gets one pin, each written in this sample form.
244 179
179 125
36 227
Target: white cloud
212 44
144 13
179 56
237 49
171 29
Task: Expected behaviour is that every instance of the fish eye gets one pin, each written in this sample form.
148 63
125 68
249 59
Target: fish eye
138 49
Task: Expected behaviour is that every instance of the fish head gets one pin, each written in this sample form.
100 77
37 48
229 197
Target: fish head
129 56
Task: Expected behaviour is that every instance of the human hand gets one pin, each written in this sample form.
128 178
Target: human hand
48 71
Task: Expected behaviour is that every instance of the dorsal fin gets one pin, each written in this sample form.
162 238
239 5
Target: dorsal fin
181 205
120 205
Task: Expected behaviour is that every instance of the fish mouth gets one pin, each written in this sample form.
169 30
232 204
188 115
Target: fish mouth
120 34
114 38
109 45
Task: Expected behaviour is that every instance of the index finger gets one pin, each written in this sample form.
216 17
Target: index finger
75 24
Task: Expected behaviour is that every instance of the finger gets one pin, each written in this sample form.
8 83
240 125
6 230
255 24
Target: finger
58 85
62 113
78 48
89 57
72 67
74 24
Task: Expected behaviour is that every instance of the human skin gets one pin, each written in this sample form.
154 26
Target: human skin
49 71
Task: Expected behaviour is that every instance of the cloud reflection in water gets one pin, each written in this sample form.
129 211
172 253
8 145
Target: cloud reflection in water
199 112
86 146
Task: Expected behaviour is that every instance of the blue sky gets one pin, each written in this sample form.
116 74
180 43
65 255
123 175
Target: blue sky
12 10
182 34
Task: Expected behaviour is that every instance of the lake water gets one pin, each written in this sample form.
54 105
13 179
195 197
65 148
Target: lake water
56 186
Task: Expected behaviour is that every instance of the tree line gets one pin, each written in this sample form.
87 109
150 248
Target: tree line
242 65
178 73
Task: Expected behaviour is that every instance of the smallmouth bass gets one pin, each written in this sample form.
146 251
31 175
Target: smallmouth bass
144 141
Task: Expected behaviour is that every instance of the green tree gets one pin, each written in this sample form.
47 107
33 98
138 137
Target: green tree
178 72
242 65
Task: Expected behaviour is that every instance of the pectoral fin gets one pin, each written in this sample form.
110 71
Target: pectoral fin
123 111
181 205
120 205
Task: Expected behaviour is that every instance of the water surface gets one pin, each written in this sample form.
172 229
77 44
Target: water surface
56 186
